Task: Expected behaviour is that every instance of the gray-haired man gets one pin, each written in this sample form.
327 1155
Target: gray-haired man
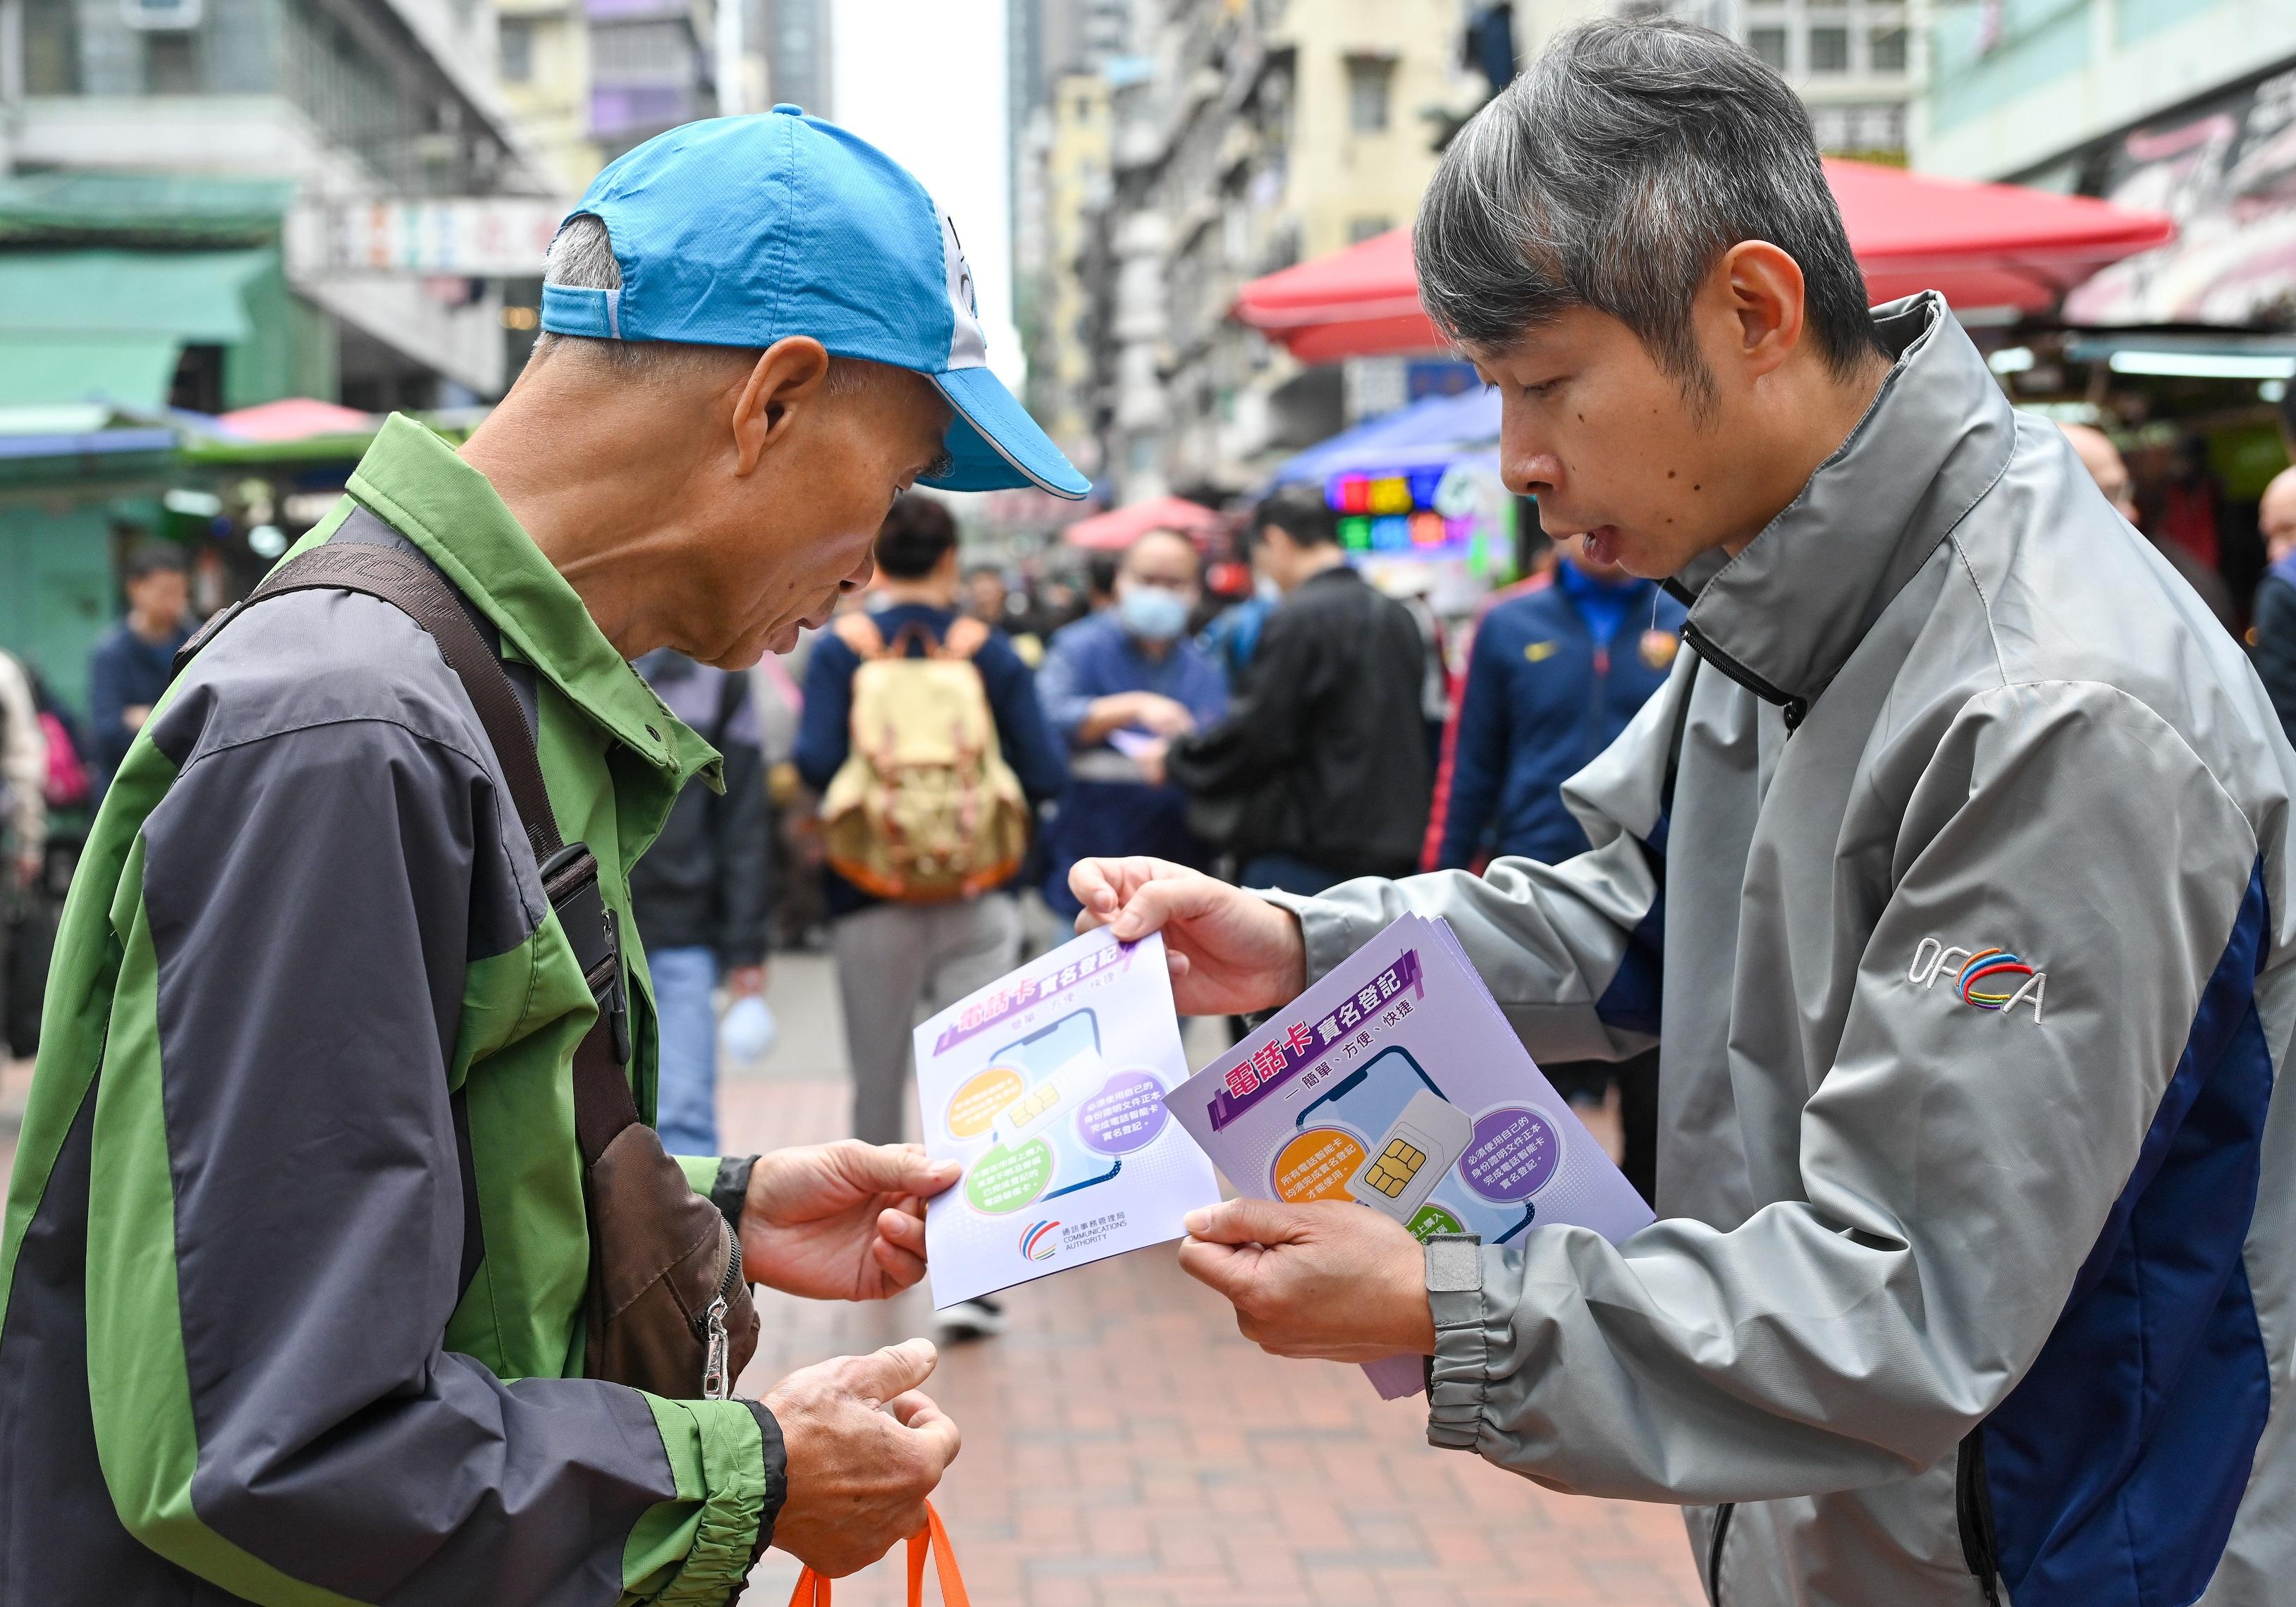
1961 837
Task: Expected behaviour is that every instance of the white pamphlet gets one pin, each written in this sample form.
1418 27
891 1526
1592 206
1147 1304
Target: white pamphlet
1048 1086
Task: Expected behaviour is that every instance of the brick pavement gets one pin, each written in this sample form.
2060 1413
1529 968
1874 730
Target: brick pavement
1125 1447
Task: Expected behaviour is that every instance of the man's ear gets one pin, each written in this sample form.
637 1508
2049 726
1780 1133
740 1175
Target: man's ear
791 375
1762 286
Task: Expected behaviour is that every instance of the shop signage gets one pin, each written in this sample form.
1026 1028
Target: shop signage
478 237
1431 510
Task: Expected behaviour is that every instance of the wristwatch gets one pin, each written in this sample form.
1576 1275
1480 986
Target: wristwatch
1454 1264
1455 1285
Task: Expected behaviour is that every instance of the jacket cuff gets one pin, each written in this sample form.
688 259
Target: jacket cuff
734 1486
1325 932
1458 1374
774 1454
731 1190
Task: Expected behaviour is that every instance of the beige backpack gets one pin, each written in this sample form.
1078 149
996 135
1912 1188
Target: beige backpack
924 808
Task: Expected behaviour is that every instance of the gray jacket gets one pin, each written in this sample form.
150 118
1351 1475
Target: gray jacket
1953 861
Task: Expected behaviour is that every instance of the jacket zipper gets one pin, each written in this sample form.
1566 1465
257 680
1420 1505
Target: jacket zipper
710 1327
1714 1552
1793 707
1972 1511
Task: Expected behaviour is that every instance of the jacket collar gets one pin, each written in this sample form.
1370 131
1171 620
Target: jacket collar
1575 582
414 480
1784 615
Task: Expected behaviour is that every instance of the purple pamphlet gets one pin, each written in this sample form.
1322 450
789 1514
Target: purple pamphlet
1395 1082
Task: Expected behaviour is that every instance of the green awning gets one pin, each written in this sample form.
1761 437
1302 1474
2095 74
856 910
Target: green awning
195 296
144 209
83 325
135 371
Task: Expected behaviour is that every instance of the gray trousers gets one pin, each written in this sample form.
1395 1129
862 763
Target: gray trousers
897 963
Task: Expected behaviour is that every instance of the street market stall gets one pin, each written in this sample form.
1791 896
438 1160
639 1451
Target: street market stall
1984 245
1116 528
1421 506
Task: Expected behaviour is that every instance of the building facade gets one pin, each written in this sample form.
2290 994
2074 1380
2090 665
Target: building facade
175 109
2030 91
1850 60
1240 137
651 68
1213 141
585 80
1066 164
795 41
545 59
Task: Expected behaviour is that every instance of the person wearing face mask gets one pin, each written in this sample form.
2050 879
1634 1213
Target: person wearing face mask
1112 682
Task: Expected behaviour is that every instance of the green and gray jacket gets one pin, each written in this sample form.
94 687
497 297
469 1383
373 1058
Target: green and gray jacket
1951 872
307 943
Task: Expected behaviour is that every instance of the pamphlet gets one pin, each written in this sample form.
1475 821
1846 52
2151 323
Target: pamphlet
1048 1086
1395 1082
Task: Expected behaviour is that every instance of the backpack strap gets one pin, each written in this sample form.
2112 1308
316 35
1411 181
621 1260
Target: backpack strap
416 590
917 635
603 1103
966 636
859 632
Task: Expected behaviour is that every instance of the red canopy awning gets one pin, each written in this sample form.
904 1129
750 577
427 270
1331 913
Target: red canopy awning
1120 527
1981 245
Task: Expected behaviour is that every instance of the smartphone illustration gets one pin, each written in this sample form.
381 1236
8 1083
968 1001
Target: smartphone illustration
1062 1063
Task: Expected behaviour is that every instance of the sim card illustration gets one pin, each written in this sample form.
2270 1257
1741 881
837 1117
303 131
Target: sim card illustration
1034 1111
1405 1163
1059 1061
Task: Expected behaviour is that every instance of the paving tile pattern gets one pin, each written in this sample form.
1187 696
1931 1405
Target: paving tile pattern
1125 1447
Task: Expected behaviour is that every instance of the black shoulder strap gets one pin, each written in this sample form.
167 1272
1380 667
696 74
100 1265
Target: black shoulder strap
732 692
413 587
603 1103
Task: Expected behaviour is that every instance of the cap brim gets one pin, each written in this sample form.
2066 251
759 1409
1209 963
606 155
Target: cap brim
995 445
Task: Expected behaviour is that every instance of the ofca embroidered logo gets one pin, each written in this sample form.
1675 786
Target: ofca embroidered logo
1039 1243
1990 979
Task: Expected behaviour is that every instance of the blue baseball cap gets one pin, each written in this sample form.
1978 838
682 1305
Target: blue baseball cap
739 231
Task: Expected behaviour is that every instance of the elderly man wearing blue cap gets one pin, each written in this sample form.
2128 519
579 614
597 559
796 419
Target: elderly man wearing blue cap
339 1263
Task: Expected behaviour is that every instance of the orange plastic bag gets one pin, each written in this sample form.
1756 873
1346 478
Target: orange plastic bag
813 1590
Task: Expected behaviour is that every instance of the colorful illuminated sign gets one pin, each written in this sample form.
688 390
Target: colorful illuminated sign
1419 511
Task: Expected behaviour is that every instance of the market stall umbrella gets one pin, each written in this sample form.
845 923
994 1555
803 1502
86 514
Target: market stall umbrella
1119 527
1423 431
296 418
1981 245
